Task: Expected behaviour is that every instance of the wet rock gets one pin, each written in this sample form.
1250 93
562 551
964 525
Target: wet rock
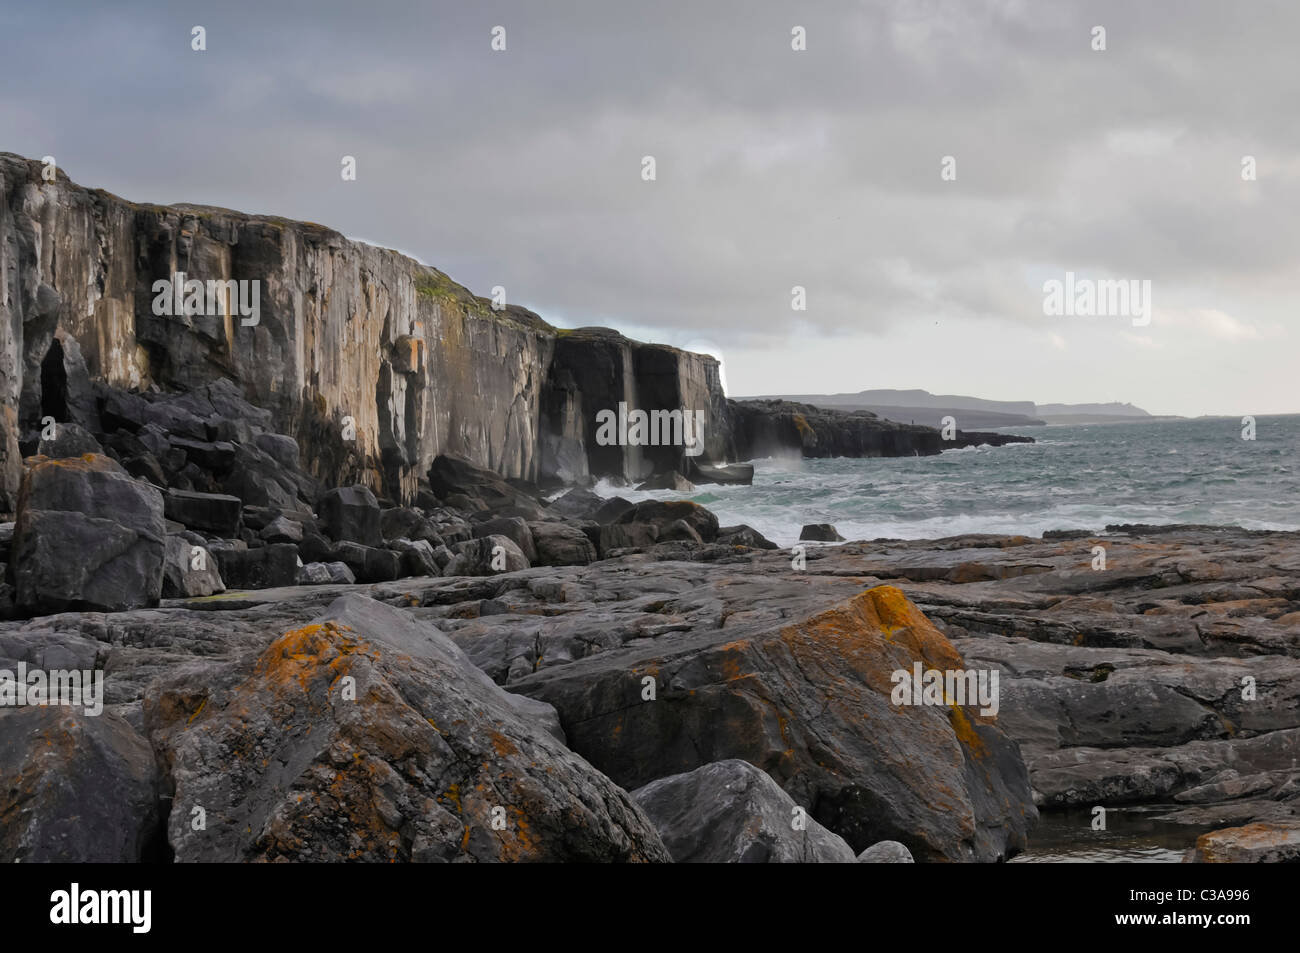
88 536
578 503
342 710
820 533
731 812
744 535
610 510
450 476
671 480
737 474
663 513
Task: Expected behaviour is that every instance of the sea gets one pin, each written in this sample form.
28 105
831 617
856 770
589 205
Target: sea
1073 477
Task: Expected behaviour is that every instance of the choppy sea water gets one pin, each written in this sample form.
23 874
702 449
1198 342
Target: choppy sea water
1075 477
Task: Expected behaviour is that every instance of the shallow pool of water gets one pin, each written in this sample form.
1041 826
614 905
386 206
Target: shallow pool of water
1132 836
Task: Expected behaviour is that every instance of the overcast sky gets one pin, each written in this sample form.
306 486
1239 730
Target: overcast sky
775 168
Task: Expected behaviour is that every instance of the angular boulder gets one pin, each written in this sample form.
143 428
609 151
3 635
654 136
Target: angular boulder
481 557
78 788
189 570
560 544
351 513
215 513
268 567
1267 842
810 702
820 533
513 528
731 812
88 537
453 476
378 740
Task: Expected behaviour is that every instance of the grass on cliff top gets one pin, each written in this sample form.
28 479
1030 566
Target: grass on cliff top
432 283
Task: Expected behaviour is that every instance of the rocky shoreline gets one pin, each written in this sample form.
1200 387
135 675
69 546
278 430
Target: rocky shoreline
331 586
573 680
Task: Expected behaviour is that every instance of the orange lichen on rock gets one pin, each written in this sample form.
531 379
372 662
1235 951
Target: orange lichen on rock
304 654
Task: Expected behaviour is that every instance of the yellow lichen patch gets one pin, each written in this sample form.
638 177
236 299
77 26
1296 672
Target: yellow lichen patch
202 705
965 732
299 654
502 745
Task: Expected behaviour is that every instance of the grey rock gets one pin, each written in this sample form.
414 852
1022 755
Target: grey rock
419 701
281 530
886 852
78 788
70 440
513 528
88 536
214 513
820 532
731 812
560 544
351 513
189 570
476 557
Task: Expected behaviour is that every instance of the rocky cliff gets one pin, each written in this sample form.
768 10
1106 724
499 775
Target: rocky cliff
374 362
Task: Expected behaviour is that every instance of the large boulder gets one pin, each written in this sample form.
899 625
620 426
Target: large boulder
68 440
268 567
578 503
78 788
744 535
740 474
189 570
376 739
453 476
886 852
351 513
810 701
820 533
369 563
514 529
560 544
215 513
662 514
1268 842
731 812
485 557
417 557
88 537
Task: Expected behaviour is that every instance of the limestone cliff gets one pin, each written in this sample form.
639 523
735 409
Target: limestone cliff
374 362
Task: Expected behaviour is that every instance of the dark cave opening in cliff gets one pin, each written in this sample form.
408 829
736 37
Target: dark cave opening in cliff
54 384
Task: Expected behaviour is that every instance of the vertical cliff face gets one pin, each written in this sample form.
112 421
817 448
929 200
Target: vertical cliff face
374 362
